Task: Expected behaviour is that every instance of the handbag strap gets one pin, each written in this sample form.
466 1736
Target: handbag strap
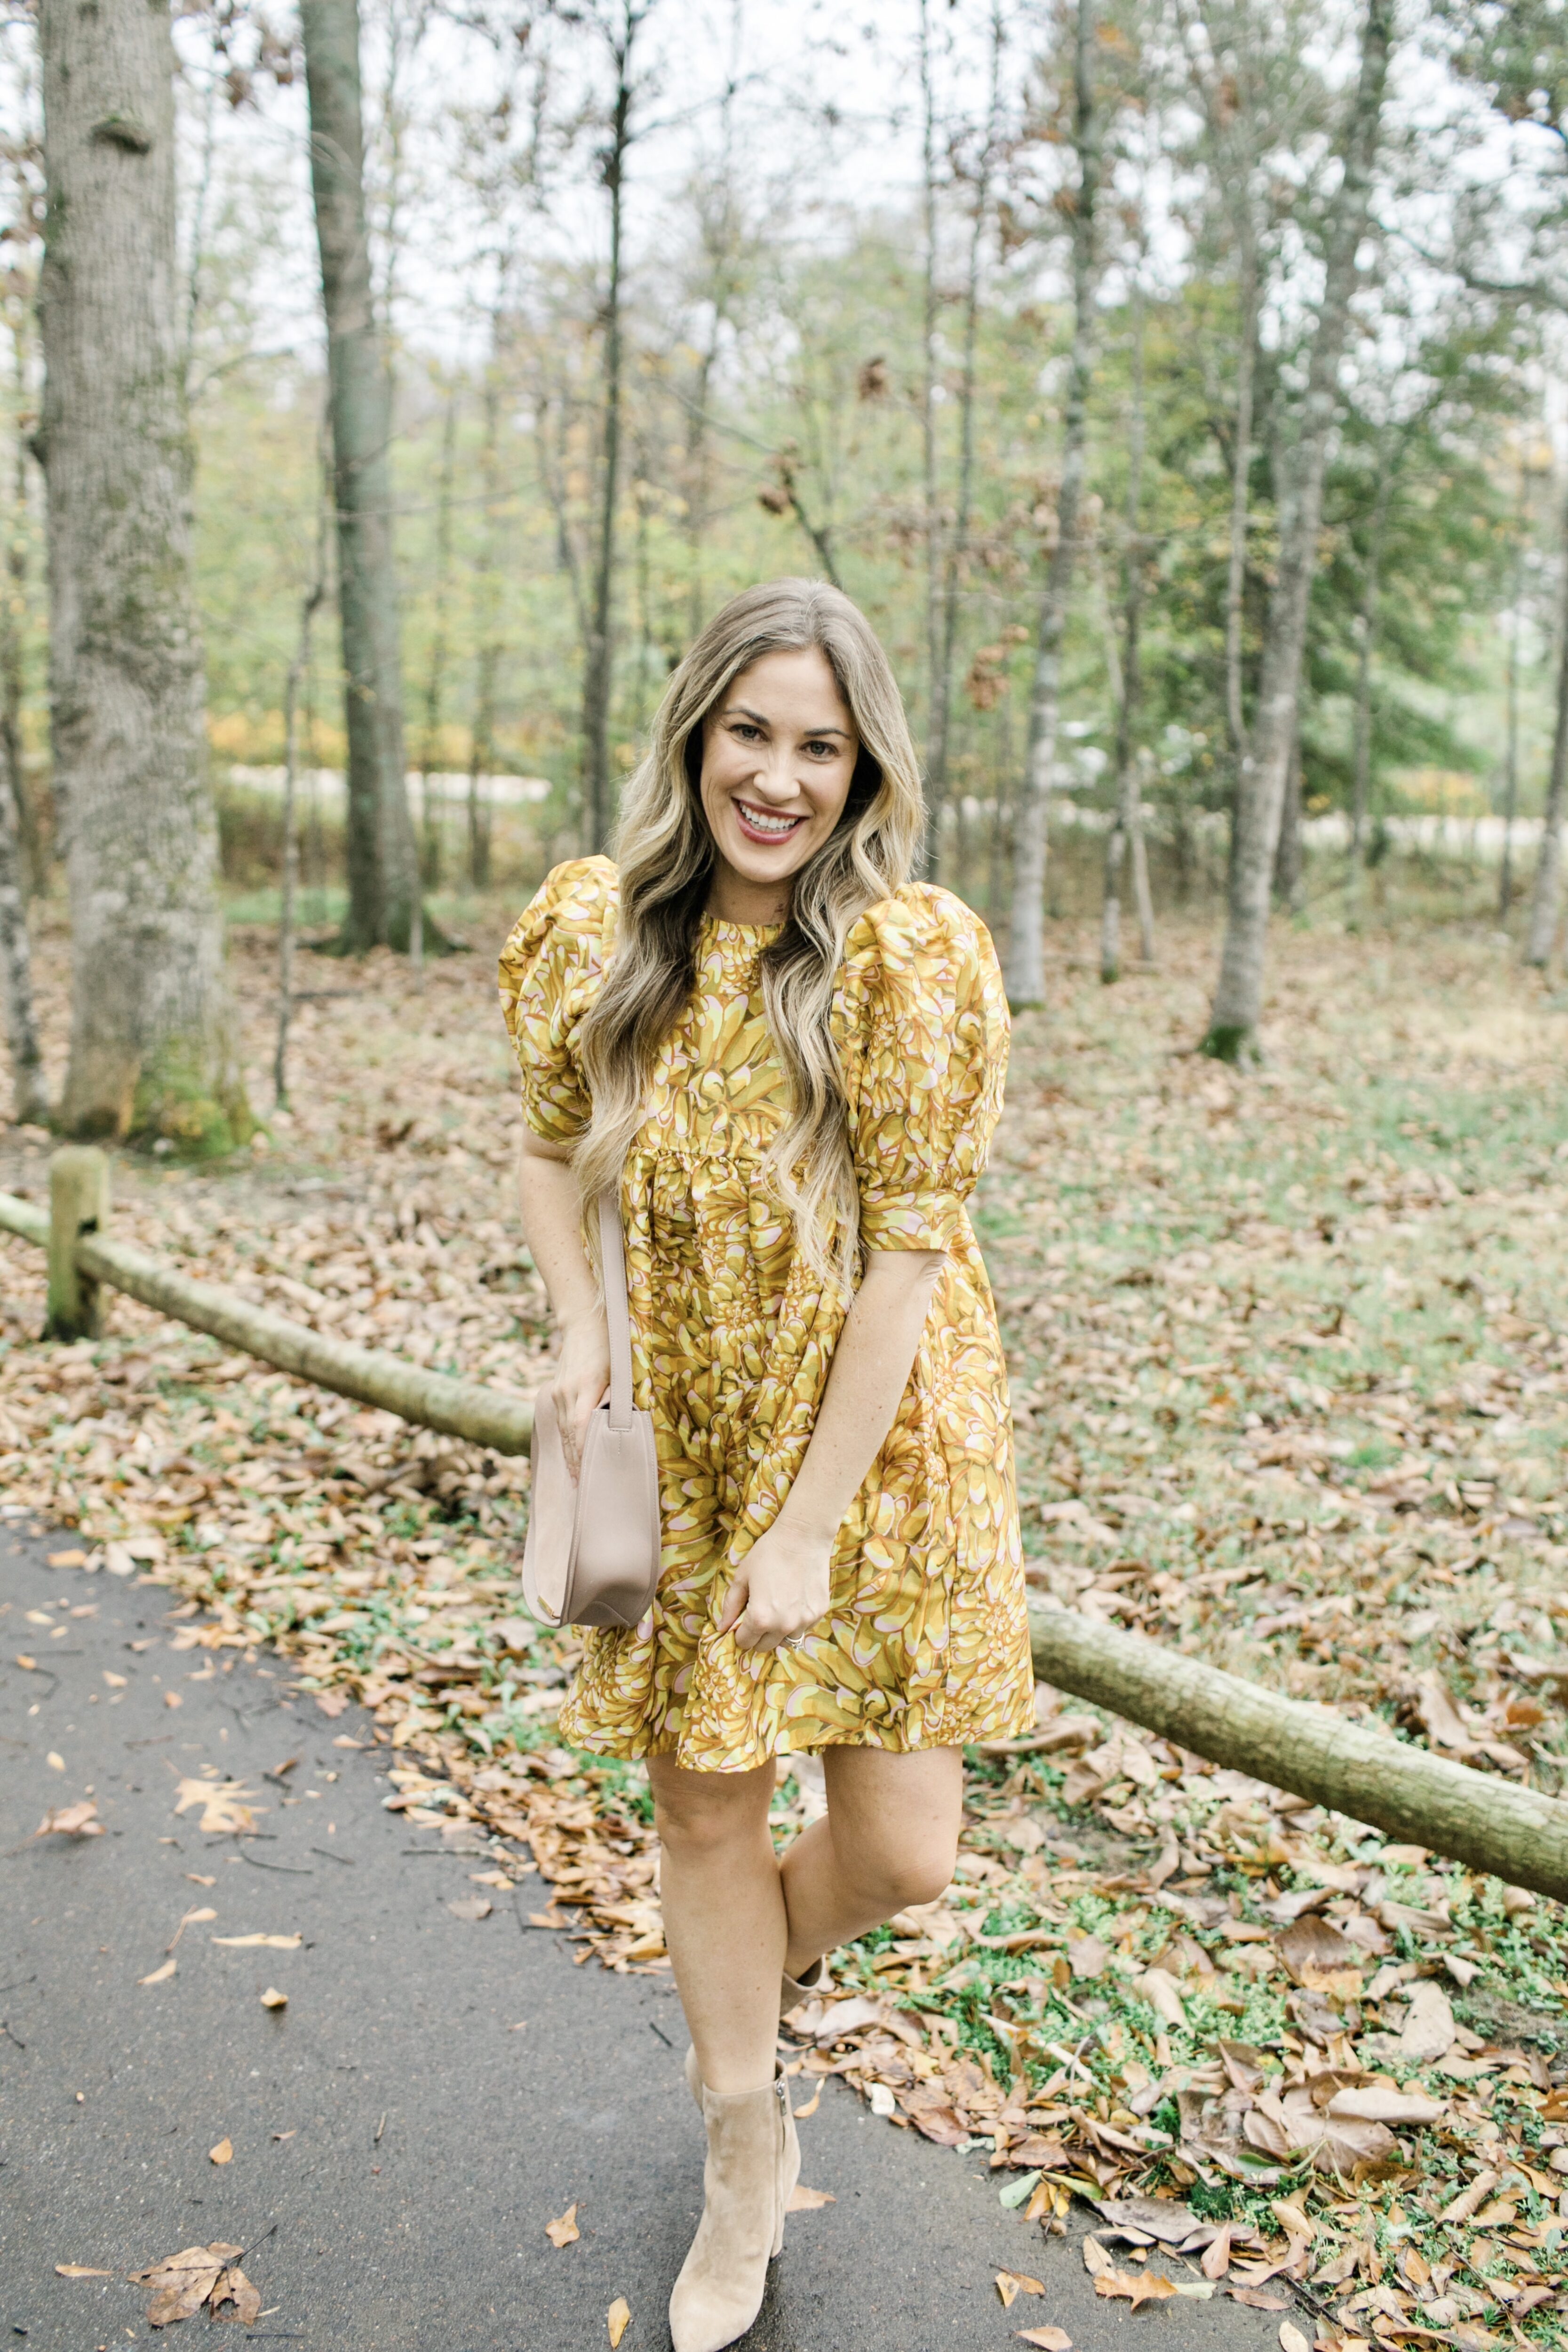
618 1311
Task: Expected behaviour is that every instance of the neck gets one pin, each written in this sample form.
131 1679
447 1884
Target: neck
733 898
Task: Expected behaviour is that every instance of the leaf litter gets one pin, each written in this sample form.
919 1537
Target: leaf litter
1288 1394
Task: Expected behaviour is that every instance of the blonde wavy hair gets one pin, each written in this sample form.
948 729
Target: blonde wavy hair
665 852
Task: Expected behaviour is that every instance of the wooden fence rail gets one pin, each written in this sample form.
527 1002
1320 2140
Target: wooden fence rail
1516 1833
80 1248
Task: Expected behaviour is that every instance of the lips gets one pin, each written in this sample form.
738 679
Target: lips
760 826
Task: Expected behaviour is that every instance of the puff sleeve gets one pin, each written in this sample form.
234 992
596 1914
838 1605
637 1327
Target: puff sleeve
925 996
550 973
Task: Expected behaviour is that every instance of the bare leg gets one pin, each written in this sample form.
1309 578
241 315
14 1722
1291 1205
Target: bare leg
723 1916
890 1837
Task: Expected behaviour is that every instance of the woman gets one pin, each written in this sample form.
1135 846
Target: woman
789 1058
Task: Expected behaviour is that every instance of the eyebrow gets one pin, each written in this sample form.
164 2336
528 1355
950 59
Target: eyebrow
739 710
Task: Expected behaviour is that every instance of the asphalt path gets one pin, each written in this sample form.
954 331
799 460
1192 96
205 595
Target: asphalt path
436 2090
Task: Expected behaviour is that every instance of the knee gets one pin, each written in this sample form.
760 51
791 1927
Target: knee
703 1820
912 1871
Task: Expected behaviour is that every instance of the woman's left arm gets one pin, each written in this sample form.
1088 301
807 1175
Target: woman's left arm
782 1585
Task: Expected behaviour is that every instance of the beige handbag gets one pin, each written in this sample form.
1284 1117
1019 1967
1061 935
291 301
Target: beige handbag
593 1552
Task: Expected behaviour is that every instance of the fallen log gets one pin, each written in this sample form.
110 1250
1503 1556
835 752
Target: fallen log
1492 1824
483 1416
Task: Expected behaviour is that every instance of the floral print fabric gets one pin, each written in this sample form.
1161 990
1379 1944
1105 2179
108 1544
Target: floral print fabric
925 1643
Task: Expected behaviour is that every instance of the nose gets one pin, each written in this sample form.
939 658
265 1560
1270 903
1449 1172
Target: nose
772 778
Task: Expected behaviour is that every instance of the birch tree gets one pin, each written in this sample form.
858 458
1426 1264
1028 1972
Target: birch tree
1238 1003
151 1055
1026 944
383 862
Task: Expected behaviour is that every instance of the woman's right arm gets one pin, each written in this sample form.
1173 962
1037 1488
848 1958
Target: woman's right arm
552 1210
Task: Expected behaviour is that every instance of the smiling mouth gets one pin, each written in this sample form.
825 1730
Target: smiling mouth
762 825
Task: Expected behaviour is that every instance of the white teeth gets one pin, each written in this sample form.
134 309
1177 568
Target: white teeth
779 825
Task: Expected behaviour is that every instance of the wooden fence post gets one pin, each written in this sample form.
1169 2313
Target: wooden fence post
79 1203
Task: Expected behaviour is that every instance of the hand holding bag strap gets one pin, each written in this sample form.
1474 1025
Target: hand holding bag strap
617 1309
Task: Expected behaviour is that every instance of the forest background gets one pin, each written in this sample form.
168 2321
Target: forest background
1004 318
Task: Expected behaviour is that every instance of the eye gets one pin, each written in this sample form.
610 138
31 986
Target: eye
745 731
822 751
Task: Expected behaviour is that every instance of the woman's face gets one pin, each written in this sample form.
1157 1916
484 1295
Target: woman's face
778 758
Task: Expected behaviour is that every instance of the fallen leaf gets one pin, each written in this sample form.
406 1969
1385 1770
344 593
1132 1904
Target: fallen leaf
273 1998
250 1943
811 2105
1010 2285
173 1698
223 2153
333 1704
1310 1947
564 2229
470 1906
1216 2255
1087 1956
191 1919
1429 2029
1291 2339
1469 2201
618 2318
803 2199
1048 2339
1145 2287
78 2270
56 1762
1096 2260
160 1975
68 1560
198 1880
223 1811
78 1821
29 1665
1381 2106
183 2281
1158 1987
1256 2300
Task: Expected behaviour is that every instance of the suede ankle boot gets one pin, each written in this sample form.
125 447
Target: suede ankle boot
753 2162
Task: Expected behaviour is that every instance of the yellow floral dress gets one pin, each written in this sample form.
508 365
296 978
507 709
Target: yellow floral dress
925 1643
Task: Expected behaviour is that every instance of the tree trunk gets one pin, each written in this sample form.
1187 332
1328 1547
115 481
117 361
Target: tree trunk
435 676
1372 573
598 673
13 626
1240 493
1542 936
286 912
487 617
1143 897
382 866
152 1055
1238 997
1510 754
957 550
20 865
1288 872
1124 824
936 749
1026 944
